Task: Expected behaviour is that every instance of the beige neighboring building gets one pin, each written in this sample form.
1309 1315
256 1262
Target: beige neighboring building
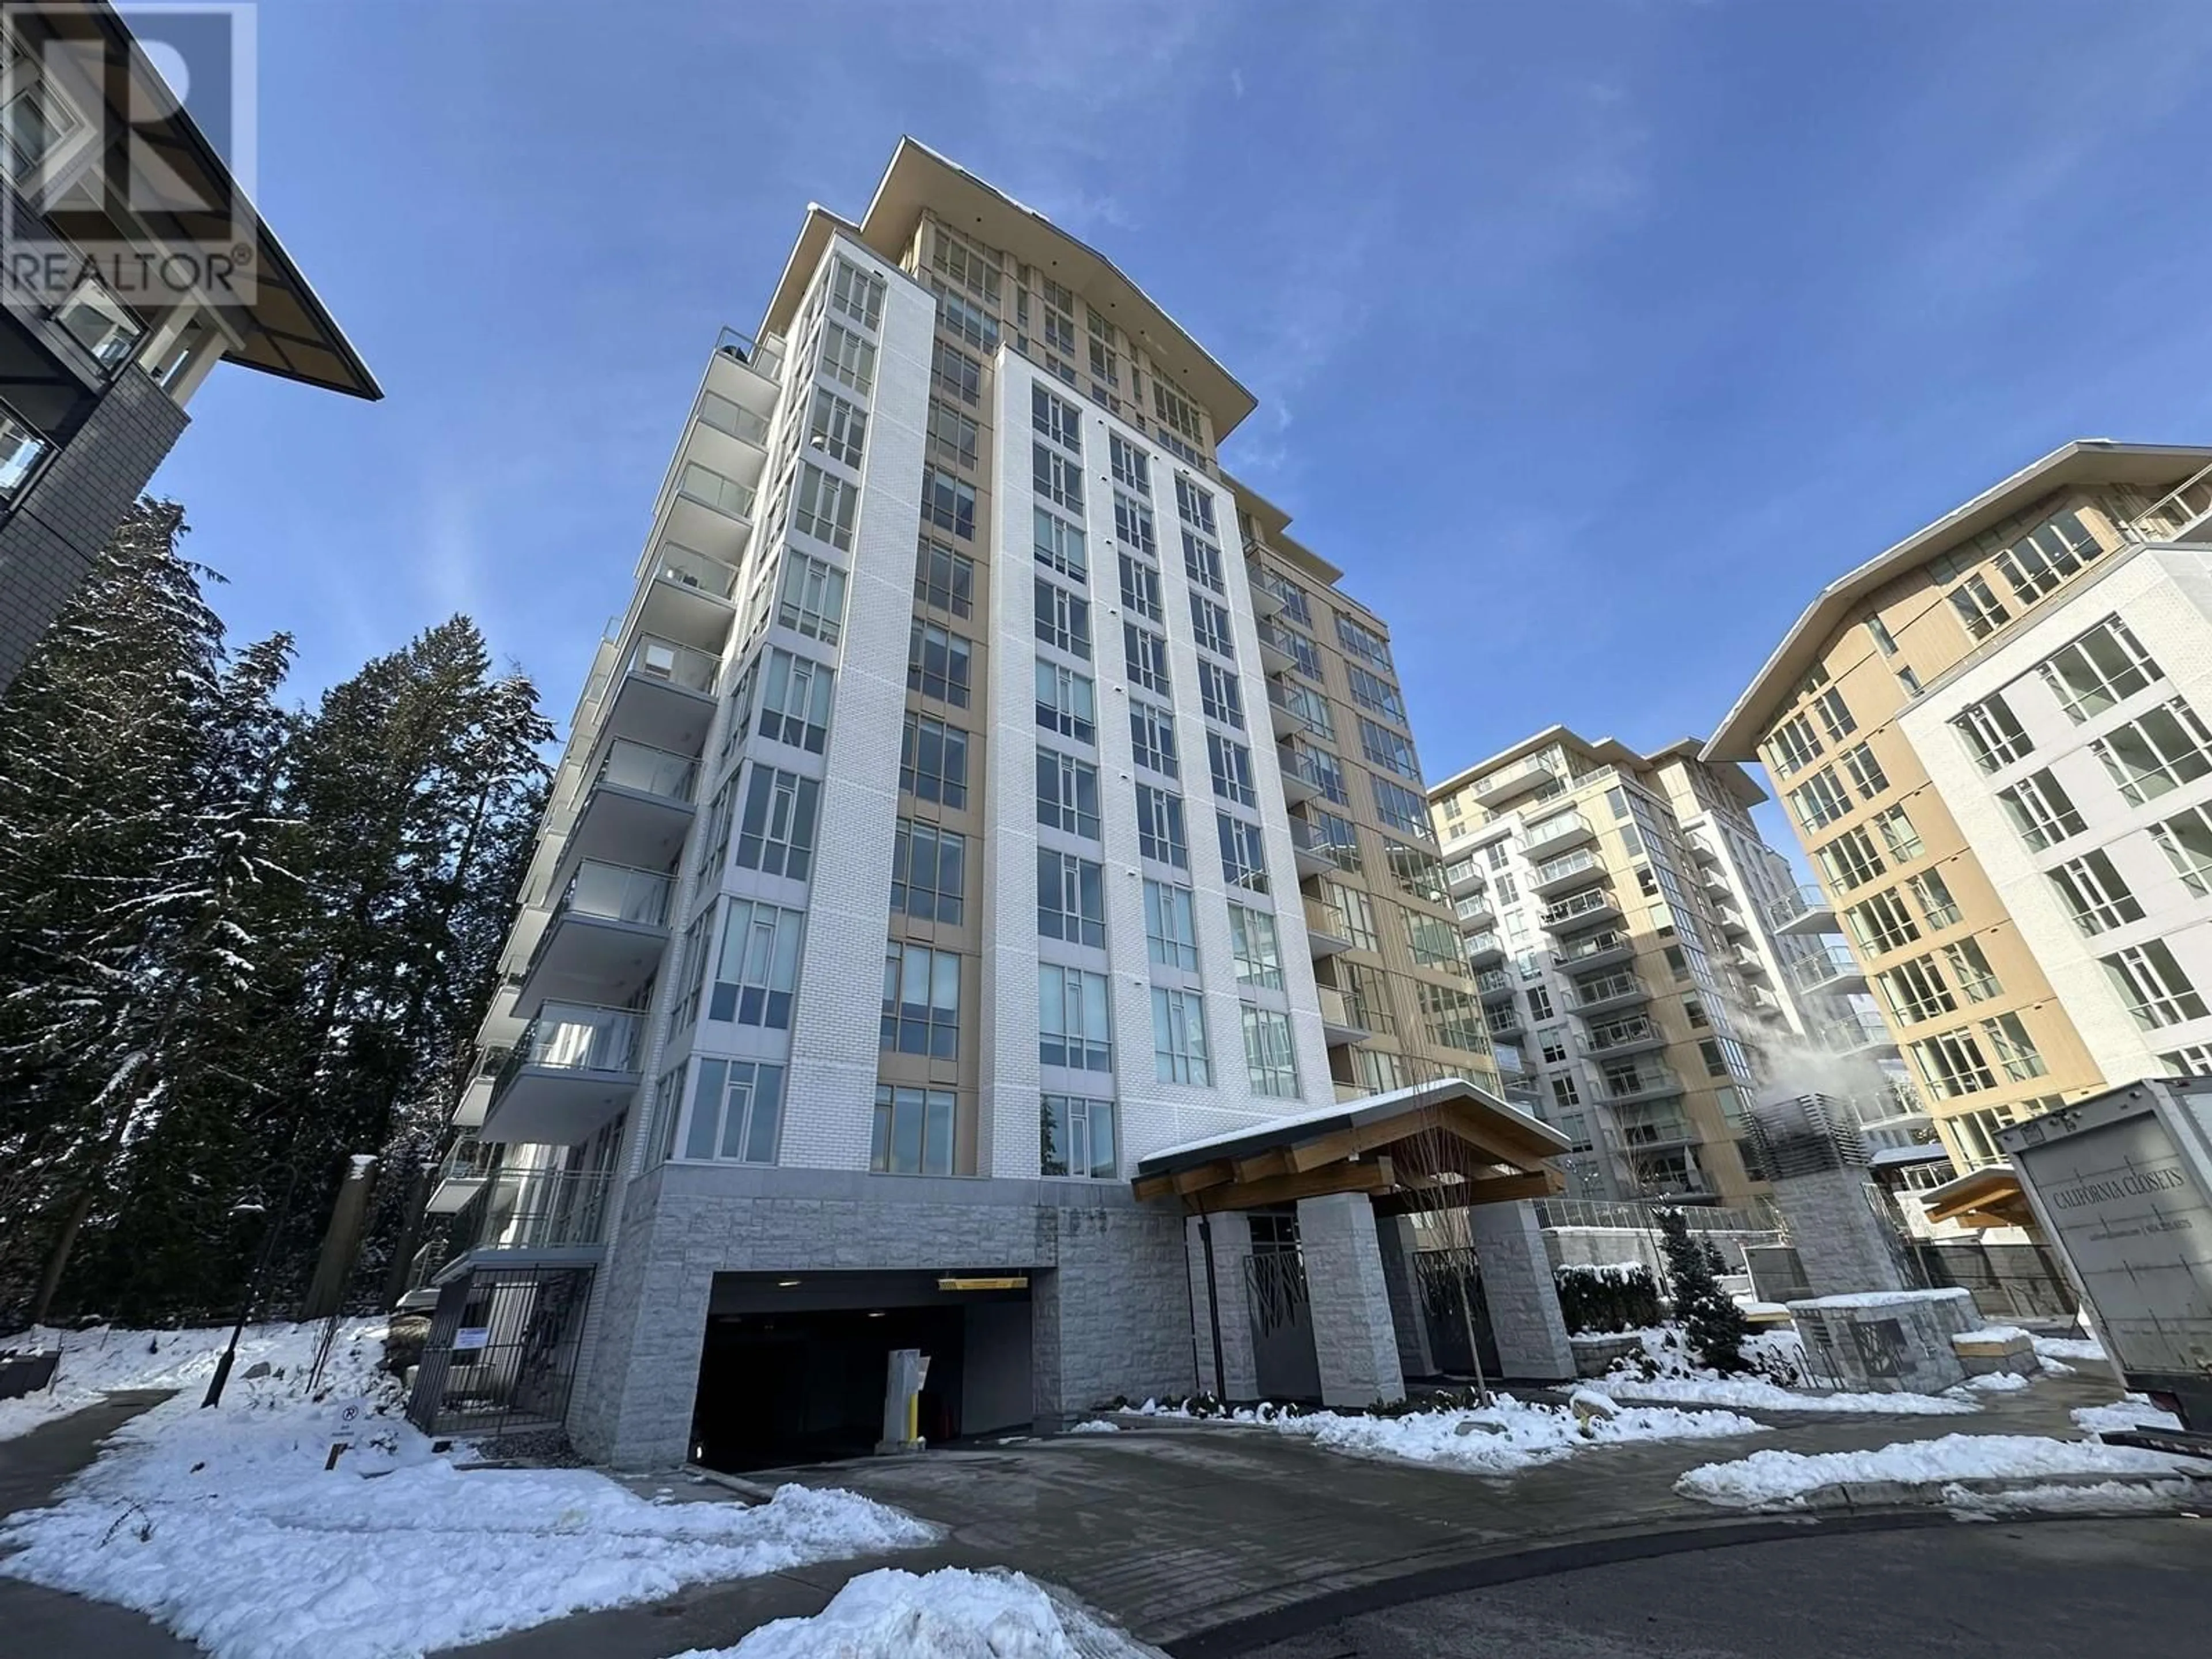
1640 953
1992 740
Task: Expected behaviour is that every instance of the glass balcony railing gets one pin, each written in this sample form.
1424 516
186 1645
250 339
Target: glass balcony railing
1835 962
21 449
651 771
1622 1034
734 419
1597 902
1483 944
534 1210
1597 944
1608 989
1492 981
1789 906
1566 826
680 565
1573 864
578 1038
709 489
655 658
469 1159
1325 919
615 893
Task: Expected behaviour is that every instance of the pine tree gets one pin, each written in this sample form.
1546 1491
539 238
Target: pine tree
1709 1318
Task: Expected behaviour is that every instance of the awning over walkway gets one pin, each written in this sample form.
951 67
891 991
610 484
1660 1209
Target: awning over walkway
1988 1197
1446 1143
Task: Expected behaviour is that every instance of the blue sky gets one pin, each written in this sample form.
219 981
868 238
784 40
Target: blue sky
1566 320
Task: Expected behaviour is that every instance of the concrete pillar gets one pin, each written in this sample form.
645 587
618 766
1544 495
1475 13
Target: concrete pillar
1232 1245
1355 1338
1396 1235
1844 1241
1517 1285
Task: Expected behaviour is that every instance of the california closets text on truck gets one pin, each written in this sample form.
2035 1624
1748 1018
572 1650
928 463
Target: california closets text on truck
2122 1184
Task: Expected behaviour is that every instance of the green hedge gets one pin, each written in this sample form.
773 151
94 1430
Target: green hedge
1621 1296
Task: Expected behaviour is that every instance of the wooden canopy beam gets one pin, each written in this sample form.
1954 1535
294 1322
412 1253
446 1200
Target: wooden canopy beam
1373 1177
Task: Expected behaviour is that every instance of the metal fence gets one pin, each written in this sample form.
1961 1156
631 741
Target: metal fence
501 1351
2008 1281
532 1209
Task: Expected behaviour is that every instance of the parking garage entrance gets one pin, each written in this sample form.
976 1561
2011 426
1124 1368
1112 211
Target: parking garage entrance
794 1365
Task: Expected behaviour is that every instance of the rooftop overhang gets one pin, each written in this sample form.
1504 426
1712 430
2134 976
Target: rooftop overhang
1988 1197
1440 1144
2084 461
919 177
277 324
1730 776
1610 749
1273 525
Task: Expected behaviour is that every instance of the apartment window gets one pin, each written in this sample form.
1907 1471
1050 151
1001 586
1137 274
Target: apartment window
944 580
913 1131
948 502
824 507
962 261
1058 477
2015 1054
1256 947
737 1107
719 812
1130 465
795 701
1551 1046
1401 808
2047 555
2094 893
1435 941
1179 1036
933 761
1210 624
1835 717
1070 898
1978 608
1063 619
1244 853
953 371
1819 800
813 599
1220 696
1177 412
1336 836
2041 809
1194 504
2165 748
1144 656
921 1001
929 871
1356 910
1882 923
1372 691
1073 1028
2195 1061
847 358
1305 655
1907 680
1170 925
1267 1057
2187 843
1230 764
1388 749
1153 739
1201 562
1058 420
776 833
1059 546
1916 990
937 663
1133 524
1992 733
858 294
838 429
1879 632
1940 910
1498 853
1078 1137
2152 984
1564 1093
1953 1065
1971 970
1850 861
1898 835
1067 793
1865 771
2104 666
758 969
1067 702
1454 1019
952 436
1792 746
1140 589
1540 1004
1160 827
1363 642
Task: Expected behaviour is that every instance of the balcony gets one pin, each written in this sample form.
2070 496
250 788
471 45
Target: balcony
1562 875
1598 951
1475 912
1514 782
1855 1034
1266 603
637 808
664 695
1303 779
1615 1038
1464 876
1505 1026
1747 960
1805 911
1325 929
605 938
1648 1083
462 1172
519 1216
1310 849
689 599
1641 1131
1495 983
1558 834
1830 968
746 372
575 1067
1714 880
708 510
1596 996
1732 921
1703 852
1484 950
1287 711
1274 651
1339 1026
1582 910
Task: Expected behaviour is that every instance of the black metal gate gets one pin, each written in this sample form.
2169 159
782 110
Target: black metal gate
1450 1284
1282 1325
2008 1281
501 1351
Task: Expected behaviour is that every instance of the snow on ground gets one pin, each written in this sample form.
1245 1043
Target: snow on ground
1779 1478
951 1614
2070 1347
2099 1497
1678 1380
2132 1411
1997 1382
224 1526
1993 1333
1095 1425
98 1359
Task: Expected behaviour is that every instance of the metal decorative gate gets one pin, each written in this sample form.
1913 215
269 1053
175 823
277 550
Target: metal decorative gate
501 1351
1450 1284
1282 1324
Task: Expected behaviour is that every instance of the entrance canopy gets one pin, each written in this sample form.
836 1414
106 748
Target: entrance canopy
1444 1143
1988 1197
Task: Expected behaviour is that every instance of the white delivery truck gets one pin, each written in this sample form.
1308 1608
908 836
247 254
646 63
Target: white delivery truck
2121 1185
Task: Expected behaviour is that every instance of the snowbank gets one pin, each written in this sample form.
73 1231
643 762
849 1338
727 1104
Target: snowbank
1993 1333
2099 1497
98 1359
1780 1478
1753 1394
2070 1347
1997 1382
951 1614
2132 1411
224 1526
1095 1425
1880 1299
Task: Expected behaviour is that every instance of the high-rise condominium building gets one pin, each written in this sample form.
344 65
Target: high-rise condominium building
112 311
1640 953
1992 740
980 798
